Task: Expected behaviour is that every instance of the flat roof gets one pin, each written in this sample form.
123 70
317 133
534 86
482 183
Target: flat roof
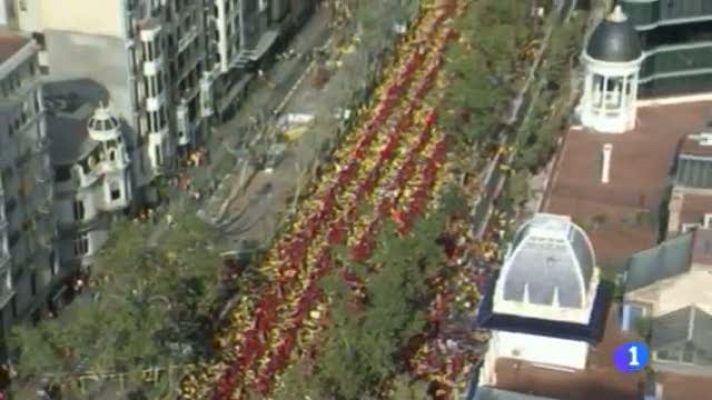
10 43
641 163
599 381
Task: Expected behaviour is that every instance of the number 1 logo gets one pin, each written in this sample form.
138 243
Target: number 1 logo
631 356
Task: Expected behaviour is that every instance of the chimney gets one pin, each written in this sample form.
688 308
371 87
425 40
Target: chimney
606 165
674 209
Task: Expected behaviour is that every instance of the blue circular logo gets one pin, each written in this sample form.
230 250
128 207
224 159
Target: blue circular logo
631 356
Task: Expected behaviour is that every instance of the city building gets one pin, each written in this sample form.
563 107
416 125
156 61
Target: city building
675 37
612 60
28 262
241 34
690 203
545 306
667 301
641 52
149 55
91 168
553 330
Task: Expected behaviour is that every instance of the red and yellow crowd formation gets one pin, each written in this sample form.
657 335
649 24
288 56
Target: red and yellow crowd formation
395 162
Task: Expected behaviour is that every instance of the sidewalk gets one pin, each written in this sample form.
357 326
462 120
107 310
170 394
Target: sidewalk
228 140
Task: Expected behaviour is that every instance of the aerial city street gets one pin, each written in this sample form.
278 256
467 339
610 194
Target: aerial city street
356 199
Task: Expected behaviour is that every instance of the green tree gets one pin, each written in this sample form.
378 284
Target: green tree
482 68
149 307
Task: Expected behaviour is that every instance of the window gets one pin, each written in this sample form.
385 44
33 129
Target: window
115 190
632 313
688 354
597 91
33 283
81 245
157 153
78 208
112 155
53 264
614 89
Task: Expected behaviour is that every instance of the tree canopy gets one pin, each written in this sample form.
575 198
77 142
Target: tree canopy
146 306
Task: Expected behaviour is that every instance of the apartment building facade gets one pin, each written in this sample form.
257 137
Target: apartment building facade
676 37
91 168
240 34
28 261
149 55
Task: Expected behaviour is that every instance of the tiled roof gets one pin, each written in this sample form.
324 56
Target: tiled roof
666 260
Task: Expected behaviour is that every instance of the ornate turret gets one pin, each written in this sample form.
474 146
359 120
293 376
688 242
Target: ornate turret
612 57
103 126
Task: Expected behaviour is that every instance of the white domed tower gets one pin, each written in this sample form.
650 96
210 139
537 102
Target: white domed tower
105 128
549 272
612 58
546 306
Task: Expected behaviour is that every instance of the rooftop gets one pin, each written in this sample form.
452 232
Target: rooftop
687 325
599 381
10 43
621 217
614 39
591 332
668 259
69 105
697 144
684 387
694 208
552 262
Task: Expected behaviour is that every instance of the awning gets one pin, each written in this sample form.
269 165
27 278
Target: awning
265 43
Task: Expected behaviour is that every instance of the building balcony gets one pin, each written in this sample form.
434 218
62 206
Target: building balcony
206 97
26 89
182 125
155 103
153 67
149 29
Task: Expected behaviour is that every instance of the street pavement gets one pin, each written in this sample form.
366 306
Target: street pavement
254 212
